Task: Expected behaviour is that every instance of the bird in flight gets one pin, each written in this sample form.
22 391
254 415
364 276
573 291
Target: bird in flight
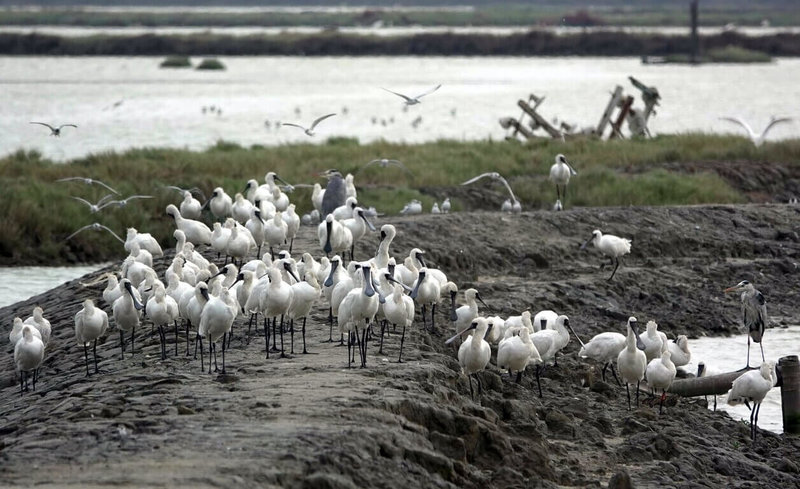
55 131
124 202
496 176
309 131
385 163
97 227
87 181
414 100
95 207
757 139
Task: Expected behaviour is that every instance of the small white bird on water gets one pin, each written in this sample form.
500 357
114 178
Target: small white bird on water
414 100
310 130
757 139
753 386
611 246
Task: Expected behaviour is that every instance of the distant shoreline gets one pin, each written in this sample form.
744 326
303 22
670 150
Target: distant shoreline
532 43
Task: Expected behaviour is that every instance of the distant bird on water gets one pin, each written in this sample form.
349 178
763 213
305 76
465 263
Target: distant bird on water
414 100
97 227
87 181
757 139
310 130
611 246
754 314
55 131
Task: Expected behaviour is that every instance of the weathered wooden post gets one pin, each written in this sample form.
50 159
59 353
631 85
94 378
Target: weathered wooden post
694 57
612 104
623 113
541 121
715 384
790 393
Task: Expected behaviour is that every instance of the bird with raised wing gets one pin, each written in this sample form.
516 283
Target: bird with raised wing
55 131
97 227
386 163
754 314
310 130
414 100
87 181
124 202
757 139
496 176
93 208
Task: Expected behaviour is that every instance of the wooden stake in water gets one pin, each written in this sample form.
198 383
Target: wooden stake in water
790 393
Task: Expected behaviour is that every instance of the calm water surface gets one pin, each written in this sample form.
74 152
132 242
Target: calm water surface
20 283
159 107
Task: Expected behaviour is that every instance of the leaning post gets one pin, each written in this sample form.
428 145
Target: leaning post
790 393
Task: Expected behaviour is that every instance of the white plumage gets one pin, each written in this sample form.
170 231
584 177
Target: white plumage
612 246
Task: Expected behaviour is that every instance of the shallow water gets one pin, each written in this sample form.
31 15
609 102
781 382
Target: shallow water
20 283
729 354
125 102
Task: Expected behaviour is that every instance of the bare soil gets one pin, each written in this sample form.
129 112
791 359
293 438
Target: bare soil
308 421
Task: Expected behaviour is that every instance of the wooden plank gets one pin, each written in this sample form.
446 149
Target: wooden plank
541 121
612 104
705 386
616 131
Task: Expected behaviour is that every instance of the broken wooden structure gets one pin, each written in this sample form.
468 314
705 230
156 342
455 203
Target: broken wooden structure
619 104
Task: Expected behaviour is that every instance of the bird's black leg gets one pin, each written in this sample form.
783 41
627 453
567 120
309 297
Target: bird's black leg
187 337
519 376
349 341
223 351
94 352
471 394
615 269
603 374
628 392
761 344
266 334
330 325
402 340
132 332
364 340
383 327
433 318
637 393
614 372
86 358
121 344
748 352
304 335
291 336
214 346
283 354
199 339
175 322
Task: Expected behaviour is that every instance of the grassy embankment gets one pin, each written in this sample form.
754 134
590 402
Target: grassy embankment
509 15
39 213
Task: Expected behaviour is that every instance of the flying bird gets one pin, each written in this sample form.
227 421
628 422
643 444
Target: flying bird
414 100
97 227
87 181
757 139
55 131
385 163
496 176
124 202
95 207
309 131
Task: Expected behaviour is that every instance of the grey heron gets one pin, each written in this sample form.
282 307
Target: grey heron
335 192
754 314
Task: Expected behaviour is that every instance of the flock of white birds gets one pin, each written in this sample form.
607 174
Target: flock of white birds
360 295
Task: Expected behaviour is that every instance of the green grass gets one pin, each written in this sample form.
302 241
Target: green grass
39 213
736 54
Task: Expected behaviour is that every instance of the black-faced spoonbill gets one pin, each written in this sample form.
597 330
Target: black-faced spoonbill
55 131
681 355
399 309
653 341
560 173
752 387
515 353
90 323
42 325
754 314
632 361
414 100
702 371
611 246
475 352
28 355
310 130
604 348
756 139
660 374
196 232
126 312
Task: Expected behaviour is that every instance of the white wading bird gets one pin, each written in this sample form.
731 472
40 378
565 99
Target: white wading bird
612 246
310 130
753 386
560 173
475 352
754 314
516 207
631 361
414 100
55 131
660 374
757 139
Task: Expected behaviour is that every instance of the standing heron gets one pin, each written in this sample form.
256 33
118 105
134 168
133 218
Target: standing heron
754 314
335 192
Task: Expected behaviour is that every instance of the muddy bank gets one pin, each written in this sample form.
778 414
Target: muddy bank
307 421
